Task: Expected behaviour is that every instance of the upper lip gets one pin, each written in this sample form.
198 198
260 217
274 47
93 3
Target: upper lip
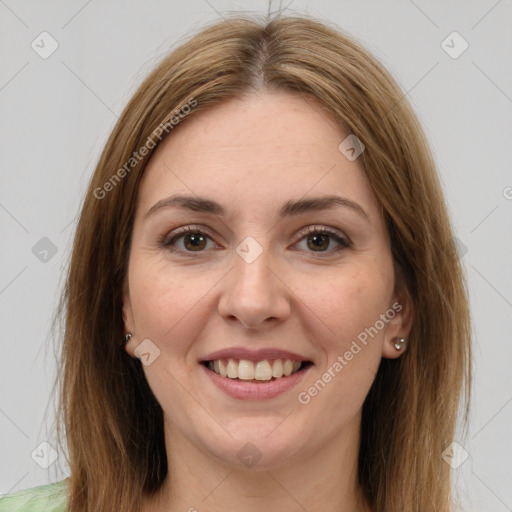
254 355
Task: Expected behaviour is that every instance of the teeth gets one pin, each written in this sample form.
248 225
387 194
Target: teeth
244 369
222 368
232 369
277 370
263 371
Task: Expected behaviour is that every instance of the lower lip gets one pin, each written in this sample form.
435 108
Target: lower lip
255 390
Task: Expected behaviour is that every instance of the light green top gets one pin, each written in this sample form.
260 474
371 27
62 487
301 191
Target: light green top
44 498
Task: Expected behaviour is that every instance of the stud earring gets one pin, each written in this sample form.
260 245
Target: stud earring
127 337
399 342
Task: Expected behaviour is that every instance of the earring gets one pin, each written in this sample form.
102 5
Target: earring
127 337
399 342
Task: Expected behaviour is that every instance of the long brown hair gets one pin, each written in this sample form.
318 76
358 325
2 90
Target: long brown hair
113 424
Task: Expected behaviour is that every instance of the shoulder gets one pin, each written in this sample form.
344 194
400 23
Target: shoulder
44 498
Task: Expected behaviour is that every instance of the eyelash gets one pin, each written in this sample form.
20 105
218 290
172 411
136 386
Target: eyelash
168 241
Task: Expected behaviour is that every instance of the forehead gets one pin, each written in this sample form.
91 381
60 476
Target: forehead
263 146
260 125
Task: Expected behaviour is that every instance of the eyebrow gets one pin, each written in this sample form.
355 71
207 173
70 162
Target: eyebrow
290 208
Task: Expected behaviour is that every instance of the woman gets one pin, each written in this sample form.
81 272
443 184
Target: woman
264 307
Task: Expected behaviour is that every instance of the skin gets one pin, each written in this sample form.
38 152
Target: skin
252 155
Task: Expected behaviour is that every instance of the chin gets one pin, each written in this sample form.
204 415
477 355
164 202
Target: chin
257 444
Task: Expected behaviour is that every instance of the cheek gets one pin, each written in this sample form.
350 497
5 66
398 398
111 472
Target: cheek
351 306
164 300
350 300
336 393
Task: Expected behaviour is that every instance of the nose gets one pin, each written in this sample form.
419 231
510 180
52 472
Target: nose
254 294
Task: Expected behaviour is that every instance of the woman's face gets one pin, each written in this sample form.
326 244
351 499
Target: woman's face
225 265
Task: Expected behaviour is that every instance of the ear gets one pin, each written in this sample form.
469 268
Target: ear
400 325
129 323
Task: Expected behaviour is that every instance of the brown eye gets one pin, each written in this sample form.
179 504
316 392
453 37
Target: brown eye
320 239
186 240
194 242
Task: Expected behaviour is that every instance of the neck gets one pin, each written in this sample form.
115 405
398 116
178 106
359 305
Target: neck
325 480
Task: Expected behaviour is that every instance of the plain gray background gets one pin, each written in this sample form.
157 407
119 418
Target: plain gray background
57 112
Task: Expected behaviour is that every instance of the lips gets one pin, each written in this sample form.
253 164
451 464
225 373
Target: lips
254 355
237 370
256 389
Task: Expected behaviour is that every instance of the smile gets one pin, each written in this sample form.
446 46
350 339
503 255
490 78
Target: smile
262 371
255 380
